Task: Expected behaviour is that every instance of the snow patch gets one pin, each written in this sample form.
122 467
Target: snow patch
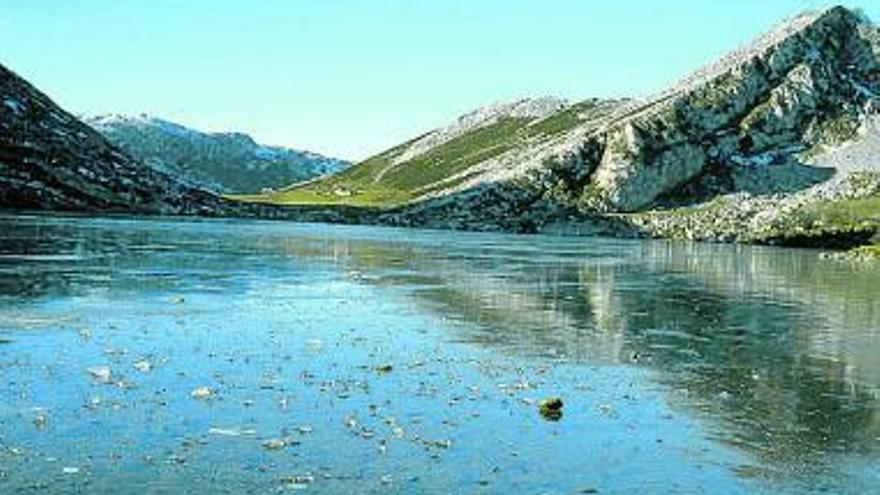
761 160
14 105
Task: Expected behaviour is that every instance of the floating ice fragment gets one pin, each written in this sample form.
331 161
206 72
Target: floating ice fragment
202 393
101 374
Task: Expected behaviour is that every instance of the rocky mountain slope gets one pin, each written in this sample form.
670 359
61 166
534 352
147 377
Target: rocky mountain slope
739 150
480 147
222 162
49 160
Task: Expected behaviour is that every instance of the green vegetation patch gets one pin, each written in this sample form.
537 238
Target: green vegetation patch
567 119
871 252
851 212
457 155
839 224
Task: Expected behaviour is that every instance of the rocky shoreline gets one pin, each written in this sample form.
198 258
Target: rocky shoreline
771 219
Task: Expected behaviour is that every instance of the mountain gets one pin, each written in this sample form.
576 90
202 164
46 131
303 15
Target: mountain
476 148
49 160
756 146
776 142
223 162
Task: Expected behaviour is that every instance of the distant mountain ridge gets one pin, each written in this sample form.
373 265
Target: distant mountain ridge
223 162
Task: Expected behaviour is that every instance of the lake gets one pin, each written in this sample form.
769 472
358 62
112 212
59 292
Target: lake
215 356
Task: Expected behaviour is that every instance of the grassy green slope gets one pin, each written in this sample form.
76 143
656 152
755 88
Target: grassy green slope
378 182
859 218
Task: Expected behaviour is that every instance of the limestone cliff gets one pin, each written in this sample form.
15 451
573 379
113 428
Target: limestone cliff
809 83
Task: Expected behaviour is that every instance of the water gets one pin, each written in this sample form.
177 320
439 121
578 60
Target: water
683 368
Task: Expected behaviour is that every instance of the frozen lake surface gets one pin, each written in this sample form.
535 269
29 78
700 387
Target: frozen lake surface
166 356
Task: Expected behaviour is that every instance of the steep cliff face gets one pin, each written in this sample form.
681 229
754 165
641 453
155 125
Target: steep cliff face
808 83
49 160
222 162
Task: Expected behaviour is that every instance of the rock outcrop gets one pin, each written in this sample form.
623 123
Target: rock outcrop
808 83
49 160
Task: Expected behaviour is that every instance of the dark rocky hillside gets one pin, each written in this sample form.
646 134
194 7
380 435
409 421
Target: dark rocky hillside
49 160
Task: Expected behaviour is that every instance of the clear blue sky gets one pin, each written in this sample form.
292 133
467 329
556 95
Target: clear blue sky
353 77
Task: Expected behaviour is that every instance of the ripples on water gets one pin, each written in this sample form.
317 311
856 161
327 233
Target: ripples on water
684 368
